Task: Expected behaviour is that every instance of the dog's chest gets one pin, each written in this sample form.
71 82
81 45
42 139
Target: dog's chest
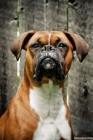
49 105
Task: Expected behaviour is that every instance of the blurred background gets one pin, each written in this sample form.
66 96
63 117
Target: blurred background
18 16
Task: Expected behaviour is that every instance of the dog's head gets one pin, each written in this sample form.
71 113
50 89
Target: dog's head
49 54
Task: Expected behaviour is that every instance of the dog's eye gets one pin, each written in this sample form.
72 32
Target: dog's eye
62 46
35 46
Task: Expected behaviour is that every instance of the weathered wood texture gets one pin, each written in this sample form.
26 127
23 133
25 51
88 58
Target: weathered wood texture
80 87
50 15
7 61
56 15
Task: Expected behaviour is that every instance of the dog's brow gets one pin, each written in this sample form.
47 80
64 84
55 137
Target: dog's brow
42 41
57 41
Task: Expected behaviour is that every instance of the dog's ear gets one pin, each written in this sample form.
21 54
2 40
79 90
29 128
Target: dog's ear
20 43
79 45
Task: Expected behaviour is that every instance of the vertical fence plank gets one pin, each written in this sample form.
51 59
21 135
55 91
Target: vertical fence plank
7 60
31 15
56 15
80 89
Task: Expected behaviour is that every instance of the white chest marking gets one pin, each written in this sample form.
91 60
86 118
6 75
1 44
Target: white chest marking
49 105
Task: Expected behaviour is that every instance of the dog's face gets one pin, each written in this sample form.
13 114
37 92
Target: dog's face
49 54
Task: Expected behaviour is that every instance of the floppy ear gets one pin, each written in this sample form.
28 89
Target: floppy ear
79 45
20 43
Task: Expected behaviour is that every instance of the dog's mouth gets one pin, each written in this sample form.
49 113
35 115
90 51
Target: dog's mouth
48 67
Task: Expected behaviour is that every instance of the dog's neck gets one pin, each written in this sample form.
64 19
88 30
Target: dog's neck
47 99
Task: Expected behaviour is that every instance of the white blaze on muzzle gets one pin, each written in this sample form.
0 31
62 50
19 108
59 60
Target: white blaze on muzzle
49 37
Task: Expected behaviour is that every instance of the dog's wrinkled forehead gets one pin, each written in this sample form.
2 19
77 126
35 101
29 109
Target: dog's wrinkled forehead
50 38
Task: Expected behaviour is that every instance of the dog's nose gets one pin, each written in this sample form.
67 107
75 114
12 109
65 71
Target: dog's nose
48 48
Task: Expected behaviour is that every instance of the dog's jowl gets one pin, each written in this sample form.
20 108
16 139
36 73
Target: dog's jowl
38 110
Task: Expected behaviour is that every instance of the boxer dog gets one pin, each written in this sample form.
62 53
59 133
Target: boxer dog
38 110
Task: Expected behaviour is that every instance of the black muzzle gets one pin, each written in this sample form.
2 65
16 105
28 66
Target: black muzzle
48 63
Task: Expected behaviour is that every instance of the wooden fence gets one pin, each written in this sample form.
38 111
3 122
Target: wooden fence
75 16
